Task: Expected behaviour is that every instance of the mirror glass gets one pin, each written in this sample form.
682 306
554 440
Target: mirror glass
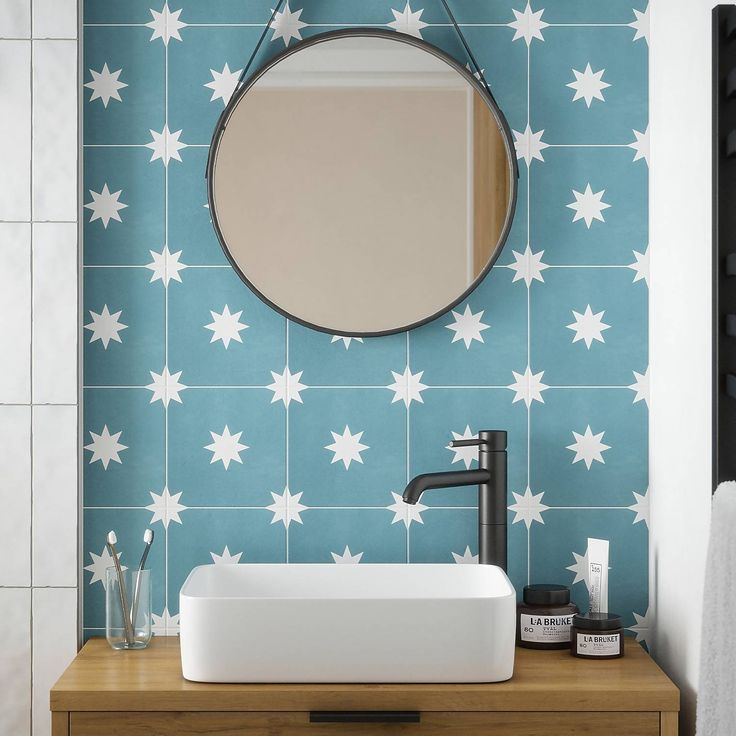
362 184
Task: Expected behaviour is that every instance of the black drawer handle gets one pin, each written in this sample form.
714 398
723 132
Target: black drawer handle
364 716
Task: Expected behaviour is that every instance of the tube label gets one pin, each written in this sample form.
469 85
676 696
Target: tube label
598 645
545 629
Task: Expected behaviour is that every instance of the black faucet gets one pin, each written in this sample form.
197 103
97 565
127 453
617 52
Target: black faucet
491 480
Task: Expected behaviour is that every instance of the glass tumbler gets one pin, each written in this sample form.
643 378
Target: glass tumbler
128 610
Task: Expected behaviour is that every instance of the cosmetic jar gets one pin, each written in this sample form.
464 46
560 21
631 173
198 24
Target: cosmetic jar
544 619
597 636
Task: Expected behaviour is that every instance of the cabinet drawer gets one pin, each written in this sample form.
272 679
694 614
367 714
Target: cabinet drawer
298 724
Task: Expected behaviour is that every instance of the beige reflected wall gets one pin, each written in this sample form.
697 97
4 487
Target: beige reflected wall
353 208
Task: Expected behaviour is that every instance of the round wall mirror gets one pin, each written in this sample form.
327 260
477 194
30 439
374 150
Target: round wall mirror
363 182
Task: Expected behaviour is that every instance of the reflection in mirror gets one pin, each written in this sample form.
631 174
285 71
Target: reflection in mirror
362 184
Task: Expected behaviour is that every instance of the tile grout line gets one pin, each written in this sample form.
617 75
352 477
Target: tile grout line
408 447
166 320
286 418
528 305
30 372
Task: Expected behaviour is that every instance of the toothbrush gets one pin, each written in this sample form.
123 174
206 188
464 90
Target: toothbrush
112 540
148 541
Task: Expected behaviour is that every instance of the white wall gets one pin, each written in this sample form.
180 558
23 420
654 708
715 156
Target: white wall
680 323
38 356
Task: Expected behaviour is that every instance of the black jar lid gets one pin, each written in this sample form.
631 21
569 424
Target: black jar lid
546 595
597 621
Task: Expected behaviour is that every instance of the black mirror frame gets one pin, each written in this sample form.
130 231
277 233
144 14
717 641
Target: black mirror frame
361 32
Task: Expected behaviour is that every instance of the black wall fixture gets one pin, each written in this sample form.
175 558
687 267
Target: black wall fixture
724 243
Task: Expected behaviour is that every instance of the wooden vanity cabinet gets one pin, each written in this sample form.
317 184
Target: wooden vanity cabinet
142 693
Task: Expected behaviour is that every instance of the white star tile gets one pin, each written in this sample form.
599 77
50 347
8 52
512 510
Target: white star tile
105 447
588 326
166 145
580 568
466 558
165 24
223 84
226 447
166 507
528 507
345 340
407 386
408 22
226 326
643 628
287 25
528 24
640 507
346 447
466 455
528 266
166 386
588 205
641 266
287 387
467 326
165 624
406 512
529 145
347 558
226 558
105 206
165 266
640 144
528 387
99 565
588 85
286 507
640 387
105 85
641 25
105 326
588 447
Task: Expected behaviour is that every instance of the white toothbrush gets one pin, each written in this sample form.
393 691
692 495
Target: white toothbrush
148 541
112 540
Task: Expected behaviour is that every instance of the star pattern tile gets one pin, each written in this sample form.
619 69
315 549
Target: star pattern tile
407 386
640 507
99 565
588 327
641 266
226 558
640 387
588 447
166 507
166 266
226 326
165 145
105 447
346 447
347 558
407 21
528 266
226 447
467 326
105 206
466 455
643 628
286 507
588 85
166 24
105 326
641 25
528 386
287 387
640 144
165 386
405 512
345 340
287 25
528 24
588 206
528 507
466 558
166 624
105 85
223 84
529 145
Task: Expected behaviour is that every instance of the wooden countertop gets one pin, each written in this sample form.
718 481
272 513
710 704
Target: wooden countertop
100 679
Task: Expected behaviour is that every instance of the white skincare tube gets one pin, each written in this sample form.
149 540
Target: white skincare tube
598 574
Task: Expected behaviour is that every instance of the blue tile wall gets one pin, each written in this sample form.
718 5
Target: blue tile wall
241 437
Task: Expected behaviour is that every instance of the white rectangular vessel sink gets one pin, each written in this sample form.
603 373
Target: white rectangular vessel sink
347 623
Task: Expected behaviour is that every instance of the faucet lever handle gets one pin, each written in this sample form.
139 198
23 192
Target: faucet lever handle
490 439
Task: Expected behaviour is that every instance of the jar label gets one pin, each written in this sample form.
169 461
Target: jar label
598 645
545 629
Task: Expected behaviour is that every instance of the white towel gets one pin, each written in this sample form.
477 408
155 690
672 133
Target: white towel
717 684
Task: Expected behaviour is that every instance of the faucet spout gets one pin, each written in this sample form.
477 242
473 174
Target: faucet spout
427 481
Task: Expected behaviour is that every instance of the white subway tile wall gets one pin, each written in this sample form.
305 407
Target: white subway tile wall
38 366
